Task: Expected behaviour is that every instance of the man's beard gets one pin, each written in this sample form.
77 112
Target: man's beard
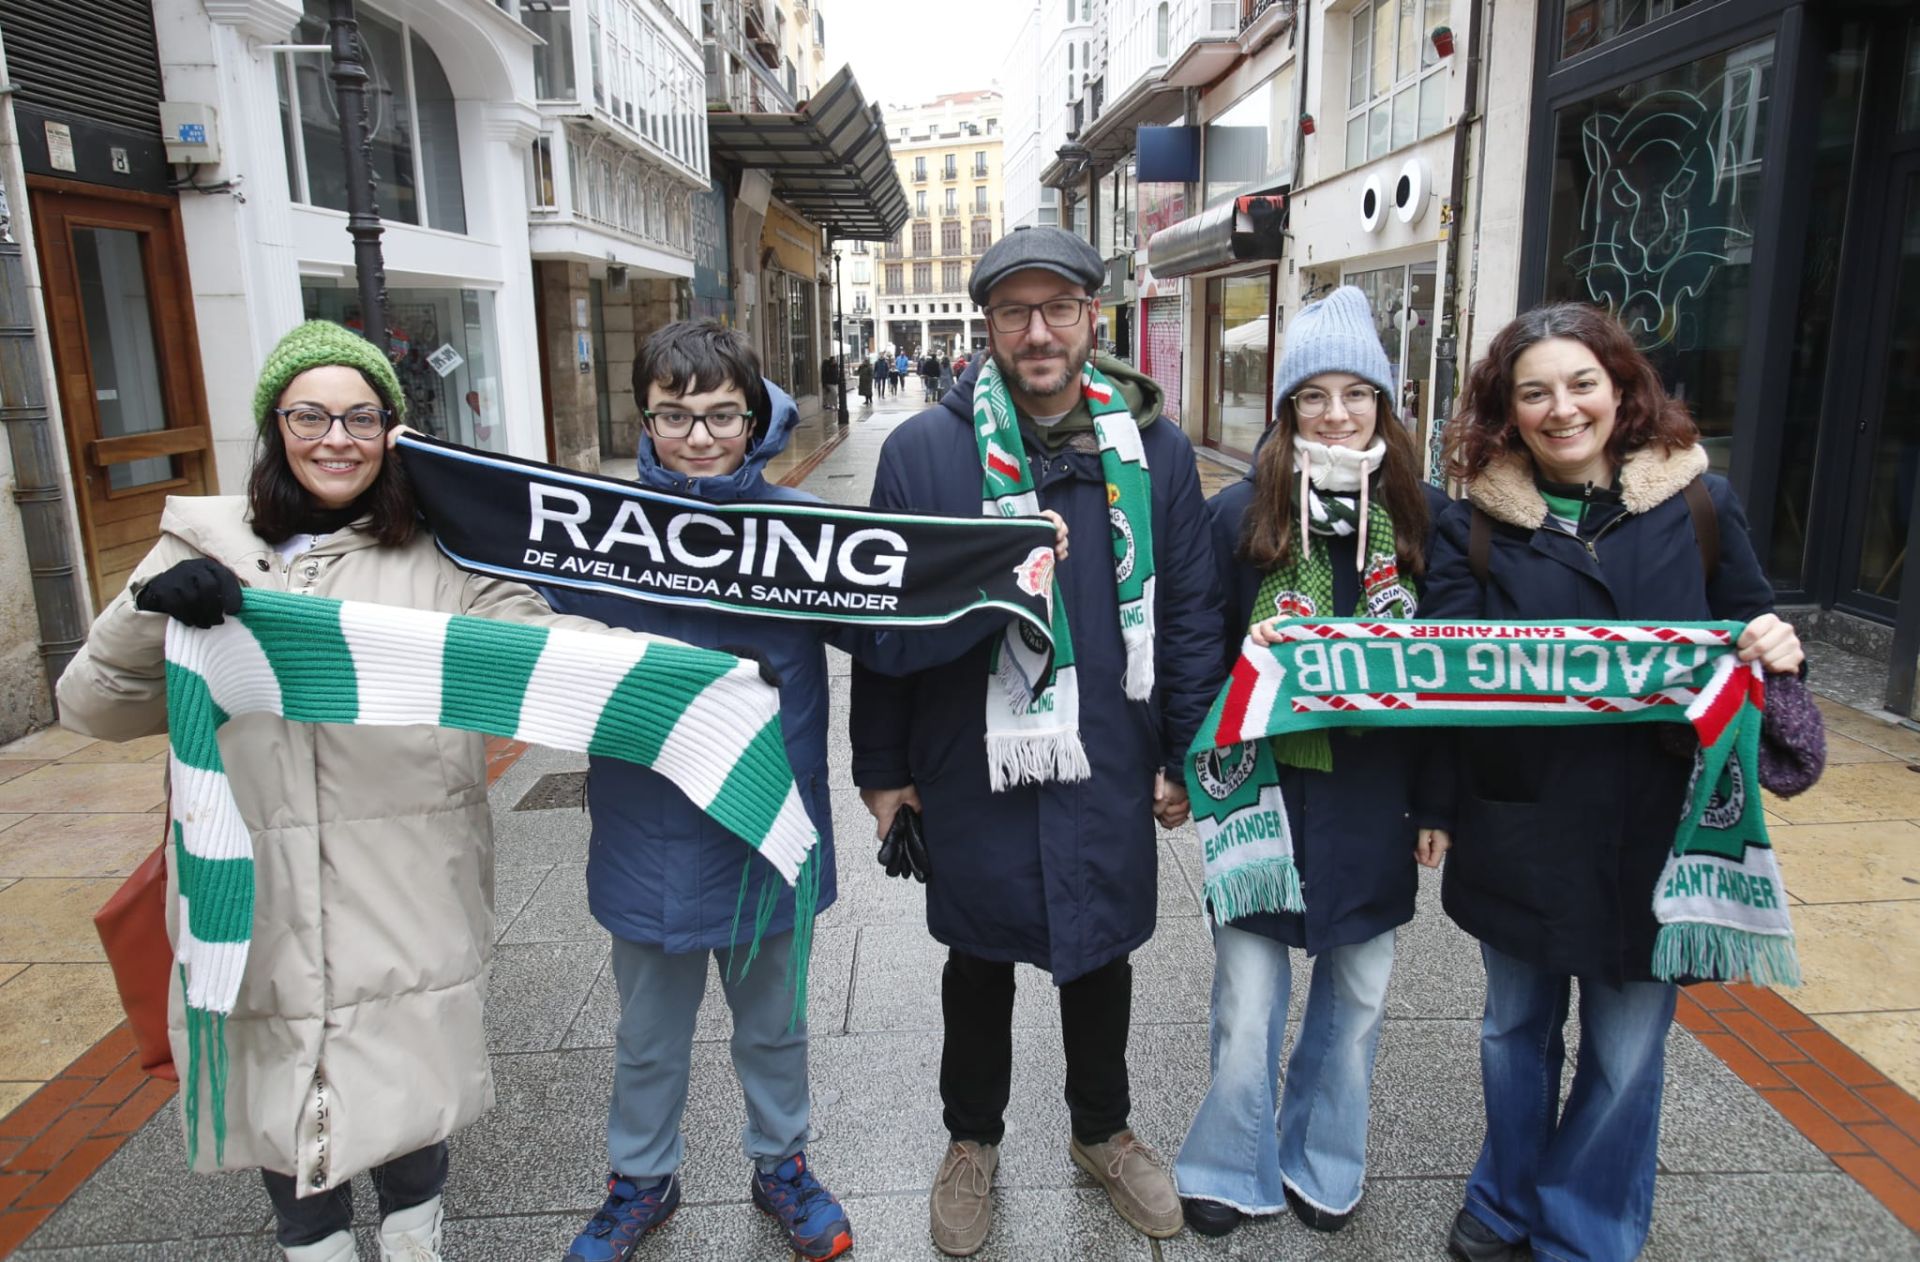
1020 376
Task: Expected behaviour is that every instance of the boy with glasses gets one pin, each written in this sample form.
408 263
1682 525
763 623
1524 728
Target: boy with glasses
665 880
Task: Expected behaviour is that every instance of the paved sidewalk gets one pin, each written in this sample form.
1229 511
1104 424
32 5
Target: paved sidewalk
1737 1179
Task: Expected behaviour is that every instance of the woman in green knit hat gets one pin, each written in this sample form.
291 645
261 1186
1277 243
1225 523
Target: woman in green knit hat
356 1043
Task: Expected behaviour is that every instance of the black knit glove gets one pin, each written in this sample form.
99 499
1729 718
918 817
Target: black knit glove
768 675
199 592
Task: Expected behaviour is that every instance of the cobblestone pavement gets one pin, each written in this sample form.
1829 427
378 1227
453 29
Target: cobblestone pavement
1736 1180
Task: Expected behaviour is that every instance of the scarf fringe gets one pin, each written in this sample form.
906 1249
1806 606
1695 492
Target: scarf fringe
1033 758
1271 885
206 1047
1692 949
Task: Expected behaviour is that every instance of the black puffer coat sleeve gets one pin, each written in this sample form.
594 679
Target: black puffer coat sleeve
1187 667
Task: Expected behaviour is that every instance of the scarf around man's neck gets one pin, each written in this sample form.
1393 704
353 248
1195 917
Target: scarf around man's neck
702 719
1033 716
1720 903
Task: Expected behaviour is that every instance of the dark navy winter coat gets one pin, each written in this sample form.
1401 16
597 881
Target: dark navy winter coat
1559 833
1060 875
659 870
1354 827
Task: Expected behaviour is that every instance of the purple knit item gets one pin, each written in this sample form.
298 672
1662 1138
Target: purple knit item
1793 737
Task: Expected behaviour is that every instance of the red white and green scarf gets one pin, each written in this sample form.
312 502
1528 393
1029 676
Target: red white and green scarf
1720 902
1033 716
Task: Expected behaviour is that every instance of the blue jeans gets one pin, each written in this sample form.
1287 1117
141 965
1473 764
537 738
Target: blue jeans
1575 1182
1241 1148
660 996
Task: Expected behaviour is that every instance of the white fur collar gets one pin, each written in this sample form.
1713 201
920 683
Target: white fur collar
1650 476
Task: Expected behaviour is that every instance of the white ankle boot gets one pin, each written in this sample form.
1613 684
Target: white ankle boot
335 1248
412 1235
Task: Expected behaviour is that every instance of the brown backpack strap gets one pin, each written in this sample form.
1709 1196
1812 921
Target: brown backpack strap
1479 544
1706 525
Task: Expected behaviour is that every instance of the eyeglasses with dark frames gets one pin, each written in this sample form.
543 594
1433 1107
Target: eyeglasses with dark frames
311 424
726 423
1017 317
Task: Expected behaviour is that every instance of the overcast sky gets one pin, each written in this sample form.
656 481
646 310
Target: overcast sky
909 54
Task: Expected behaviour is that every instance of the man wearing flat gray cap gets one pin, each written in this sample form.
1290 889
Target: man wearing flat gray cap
1039 796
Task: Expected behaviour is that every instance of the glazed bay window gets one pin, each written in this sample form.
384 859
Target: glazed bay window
551 20
415 141
1396 79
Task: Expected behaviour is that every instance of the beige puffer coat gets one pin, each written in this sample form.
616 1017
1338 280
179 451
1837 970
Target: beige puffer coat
357 1035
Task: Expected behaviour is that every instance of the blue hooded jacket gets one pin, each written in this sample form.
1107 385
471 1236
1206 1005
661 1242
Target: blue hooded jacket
660 872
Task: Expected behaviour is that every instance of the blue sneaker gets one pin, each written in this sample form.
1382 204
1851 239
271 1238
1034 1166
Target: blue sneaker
630 1212
815 1224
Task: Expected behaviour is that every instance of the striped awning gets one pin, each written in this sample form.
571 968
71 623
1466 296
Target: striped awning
829 159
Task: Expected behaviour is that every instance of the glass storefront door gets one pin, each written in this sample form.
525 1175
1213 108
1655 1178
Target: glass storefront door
444 347
1893 467
1402 299
1240 348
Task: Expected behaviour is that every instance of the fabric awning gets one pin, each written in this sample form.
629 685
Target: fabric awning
1233 232
829 159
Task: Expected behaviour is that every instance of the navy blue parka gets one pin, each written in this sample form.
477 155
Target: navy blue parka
1559 833
1058 875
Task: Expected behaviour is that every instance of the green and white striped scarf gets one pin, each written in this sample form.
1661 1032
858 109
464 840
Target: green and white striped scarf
702 719
1033 717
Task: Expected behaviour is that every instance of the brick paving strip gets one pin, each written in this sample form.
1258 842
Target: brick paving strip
1867 1125
55 1139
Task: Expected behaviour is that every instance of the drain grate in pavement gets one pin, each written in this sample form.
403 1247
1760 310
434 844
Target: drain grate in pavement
551 792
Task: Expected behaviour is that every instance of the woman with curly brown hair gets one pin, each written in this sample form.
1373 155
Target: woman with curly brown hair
1587 497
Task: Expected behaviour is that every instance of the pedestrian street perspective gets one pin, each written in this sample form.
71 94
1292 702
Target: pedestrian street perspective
1781 1137
1269 217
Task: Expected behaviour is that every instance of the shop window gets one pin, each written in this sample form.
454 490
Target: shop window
1588 24
1396 79
415 140
428 329
1402 299
1684 149
801 343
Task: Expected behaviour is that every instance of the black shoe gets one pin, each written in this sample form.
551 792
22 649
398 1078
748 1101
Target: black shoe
1318 1219
1473 1241
1210 1218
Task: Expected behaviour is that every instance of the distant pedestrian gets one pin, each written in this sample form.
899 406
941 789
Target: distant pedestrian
930 376
881 368
866 382
946 375
959 367
901 366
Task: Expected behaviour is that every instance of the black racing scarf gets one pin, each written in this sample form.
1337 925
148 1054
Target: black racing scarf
552 527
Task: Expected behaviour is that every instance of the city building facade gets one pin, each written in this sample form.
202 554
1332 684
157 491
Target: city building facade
948 156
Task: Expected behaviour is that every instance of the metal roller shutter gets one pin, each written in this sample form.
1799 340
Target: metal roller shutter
92 58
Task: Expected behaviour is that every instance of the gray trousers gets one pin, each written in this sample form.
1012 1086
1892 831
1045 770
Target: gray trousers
659 998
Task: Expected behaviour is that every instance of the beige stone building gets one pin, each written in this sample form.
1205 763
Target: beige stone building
948 155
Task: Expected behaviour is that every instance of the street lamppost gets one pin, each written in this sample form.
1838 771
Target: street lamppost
839 333
349 77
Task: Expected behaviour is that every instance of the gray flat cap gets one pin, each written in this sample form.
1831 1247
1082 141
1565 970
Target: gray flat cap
1049 249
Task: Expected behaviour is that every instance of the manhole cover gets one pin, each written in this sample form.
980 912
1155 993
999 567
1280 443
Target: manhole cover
550 793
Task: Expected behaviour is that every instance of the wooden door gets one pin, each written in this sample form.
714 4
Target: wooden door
126 365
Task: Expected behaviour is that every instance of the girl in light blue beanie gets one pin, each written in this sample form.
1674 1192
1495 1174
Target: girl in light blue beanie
1297 539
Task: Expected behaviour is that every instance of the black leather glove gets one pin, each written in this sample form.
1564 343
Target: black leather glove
768 675
903 851
199 592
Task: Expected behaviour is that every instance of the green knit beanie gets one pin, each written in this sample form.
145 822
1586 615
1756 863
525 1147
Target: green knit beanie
316 344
